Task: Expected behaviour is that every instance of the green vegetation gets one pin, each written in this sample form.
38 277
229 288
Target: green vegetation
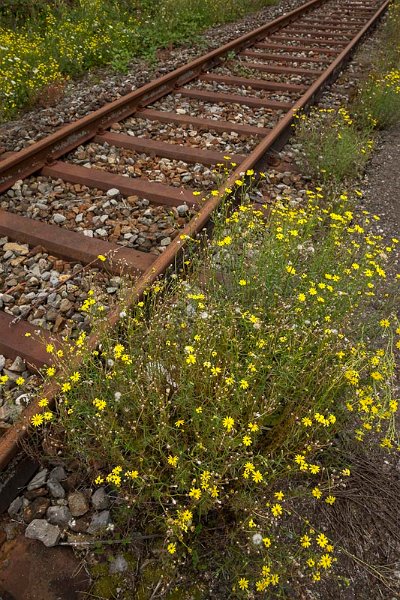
378 103
55 41
214 410
220 411
333 147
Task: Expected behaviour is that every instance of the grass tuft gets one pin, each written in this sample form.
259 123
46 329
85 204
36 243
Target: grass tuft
378 102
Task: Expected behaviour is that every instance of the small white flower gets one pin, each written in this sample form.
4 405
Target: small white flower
257 539
110 362
122 314
117 396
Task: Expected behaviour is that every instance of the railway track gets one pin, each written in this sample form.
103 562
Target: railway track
147 163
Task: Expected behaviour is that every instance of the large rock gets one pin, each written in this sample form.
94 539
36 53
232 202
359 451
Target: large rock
99 522
57 474
18 365
15 507
56 489
43 531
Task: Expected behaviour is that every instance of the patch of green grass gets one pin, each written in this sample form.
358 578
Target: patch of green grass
377 104
388 55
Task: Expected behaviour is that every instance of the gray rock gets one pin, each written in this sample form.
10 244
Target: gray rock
43 188
57 474
7 298
165 242
102 232
99 522
56 489
182 210
54 280
78 505
15 507
2 362
57 218
100 499
118 565
38 481
112 192
58 515
40 529
18 365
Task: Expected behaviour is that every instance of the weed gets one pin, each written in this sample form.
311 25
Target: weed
378 102
333 148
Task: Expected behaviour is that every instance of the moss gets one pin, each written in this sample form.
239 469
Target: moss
106 586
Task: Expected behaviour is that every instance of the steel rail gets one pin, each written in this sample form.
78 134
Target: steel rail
9 443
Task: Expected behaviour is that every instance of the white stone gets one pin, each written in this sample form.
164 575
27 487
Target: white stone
112 192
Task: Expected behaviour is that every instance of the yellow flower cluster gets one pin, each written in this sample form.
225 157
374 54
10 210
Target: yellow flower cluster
32 59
